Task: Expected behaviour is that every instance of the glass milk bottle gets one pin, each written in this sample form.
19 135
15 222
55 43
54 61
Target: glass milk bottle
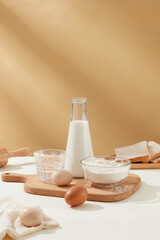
79 143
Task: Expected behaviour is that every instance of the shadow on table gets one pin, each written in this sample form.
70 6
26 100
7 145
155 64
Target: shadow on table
18 166
88 207
145 194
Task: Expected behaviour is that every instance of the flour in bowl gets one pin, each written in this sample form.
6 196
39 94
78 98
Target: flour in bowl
102 171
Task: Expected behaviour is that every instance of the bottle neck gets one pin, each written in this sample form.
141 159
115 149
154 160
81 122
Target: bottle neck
79 109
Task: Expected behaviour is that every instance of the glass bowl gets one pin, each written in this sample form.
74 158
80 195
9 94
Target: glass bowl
105 171
48 161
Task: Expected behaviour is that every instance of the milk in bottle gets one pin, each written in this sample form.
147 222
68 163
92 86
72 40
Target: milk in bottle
79 143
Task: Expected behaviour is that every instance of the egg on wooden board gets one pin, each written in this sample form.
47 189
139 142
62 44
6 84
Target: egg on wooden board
76 196
61 177
31 217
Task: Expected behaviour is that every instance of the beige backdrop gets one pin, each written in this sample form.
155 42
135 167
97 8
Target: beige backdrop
52 50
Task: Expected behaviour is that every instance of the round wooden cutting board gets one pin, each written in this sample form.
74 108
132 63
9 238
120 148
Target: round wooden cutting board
33 185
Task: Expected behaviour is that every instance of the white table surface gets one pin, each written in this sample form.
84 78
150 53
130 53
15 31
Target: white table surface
135 218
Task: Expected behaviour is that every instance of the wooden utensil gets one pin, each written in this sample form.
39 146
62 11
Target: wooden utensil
145 165
33 185
4 154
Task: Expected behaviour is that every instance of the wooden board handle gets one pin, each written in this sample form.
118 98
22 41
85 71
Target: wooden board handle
13 177
26 151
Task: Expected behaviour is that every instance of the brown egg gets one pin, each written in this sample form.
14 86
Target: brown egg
31 217
76 196
61 177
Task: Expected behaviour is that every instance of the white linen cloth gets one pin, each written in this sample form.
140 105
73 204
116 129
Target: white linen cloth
10 222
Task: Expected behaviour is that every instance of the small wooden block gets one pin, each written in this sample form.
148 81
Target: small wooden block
33 185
